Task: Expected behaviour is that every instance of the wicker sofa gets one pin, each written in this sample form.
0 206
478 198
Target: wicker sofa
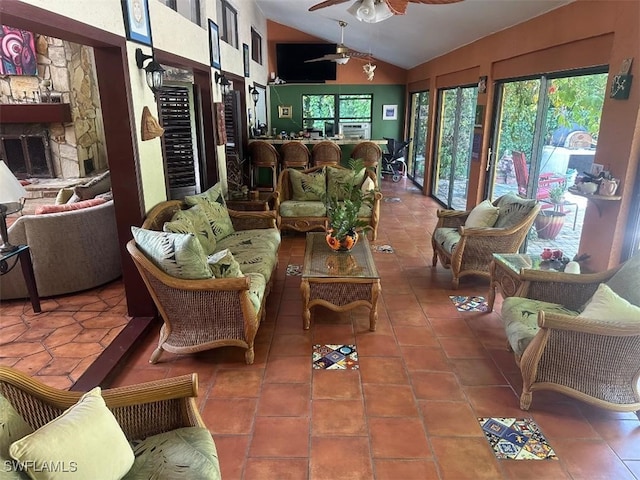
160 420
201 314
71 251
308 215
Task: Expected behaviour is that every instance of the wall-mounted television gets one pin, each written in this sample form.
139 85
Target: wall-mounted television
290 60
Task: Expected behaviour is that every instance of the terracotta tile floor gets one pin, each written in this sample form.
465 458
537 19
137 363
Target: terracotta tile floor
411 409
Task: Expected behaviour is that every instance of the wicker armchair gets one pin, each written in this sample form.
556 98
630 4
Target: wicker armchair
141 410
202 314
594 361
473 252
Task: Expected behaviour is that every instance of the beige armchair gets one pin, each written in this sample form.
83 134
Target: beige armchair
468 251
593 360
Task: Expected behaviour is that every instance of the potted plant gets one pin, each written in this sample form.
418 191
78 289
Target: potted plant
549 222
343 208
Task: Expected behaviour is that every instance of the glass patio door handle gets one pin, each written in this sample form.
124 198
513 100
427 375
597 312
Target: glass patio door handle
489 159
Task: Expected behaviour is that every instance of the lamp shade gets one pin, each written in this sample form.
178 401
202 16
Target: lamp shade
11 190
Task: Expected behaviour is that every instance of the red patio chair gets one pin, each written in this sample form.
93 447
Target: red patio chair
546 181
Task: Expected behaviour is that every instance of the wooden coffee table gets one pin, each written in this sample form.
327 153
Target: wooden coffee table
339 281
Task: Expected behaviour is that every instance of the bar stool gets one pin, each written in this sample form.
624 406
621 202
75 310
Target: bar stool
263 155
326 153
370 153
294 155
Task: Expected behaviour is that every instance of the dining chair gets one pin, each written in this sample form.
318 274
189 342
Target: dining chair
294 155
325 153
369 152
263 155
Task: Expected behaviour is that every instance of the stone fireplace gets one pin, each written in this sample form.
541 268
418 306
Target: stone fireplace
47 148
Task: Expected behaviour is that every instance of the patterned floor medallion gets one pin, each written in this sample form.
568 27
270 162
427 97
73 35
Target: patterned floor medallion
469 304
516 439
392 199
294 270
335 357
383 248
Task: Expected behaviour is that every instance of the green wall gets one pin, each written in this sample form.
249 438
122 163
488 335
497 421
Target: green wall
382 95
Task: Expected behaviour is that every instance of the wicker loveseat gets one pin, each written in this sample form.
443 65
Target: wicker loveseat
305 215
160 420
469 250
578 335
201 314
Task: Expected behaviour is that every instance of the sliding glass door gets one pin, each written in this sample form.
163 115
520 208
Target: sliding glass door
456 110
545 133
418 129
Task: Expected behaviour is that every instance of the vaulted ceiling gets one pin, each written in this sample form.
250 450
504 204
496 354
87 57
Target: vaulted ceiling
423 33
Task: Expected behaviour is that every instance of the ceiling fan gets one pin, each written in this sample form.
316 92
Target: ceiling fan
373 11
343 53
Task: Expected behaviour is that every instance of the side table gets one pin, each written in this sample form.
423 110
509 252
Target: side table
22 255
260 204
508 272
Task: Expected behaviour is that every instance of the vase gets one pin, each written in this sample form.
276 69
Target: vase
344 244
549 224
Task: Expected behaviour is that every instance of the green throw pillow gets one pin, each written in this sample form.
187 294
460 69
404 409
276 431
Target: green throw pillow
194 220
223 265
341 180
215 210
307 186
86 440
625 281
512 210
177 254
12 428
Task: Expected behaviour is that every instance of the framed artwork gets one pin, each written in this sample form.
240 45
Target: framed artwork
214 44
246 59
19 56
596 169
390 112
284 111
136 21
482 84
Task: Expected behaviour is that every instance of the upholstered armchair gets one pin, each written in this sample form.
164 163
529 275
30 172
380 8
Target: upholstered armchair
468 250
578 335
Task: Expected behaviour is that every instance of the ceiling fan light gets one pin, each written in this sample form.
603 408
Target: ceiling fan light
342 61
370 11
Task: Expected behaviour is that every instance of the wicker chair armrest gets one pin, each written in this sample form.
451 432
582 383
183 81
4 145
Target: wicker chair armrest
588 325
451 218
452 213
567 278
484 231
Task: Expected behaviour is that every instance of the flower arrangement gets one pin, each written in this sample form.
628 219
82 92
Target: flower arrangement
342 210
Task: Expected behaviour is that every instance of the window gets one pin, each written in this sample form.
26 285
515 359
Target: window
318 110
187 8
256 46
228 19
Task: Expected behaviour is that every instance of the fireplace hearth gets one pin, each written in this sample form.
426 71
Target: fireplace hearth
26 150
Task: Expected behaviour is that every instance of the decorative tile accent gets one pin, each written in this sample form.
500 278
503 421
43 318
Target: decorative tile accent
392 199
516 439
335 357
294 270
383 248
469 304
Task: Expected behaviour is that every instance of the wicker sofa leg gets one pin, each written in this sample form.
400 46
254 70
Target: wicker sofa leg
455 282
434 261
155 356
249 355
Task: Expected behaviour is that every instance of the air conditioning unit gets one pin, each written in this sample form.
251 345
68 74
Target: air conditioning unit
356 130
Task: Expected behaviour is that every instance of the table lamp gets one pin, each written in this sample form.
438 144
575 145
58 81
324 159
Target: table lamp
11 192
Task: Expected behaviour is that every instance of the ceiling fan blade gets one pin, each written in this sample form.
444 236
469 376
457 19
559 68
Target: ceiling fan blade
327 57
398 7
326 3
435 2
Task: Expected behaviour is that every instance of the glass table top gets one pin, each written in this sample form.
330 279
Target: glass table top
322 262
522 261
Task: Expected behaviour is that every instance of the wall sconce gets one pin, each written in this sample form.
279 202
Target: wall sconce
255 95
223 82
154 71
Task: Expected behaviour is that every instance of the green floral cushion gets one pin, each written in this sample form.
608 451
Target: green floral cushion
177 254
447 237
340 179
626 280
185 453
307 186
520 319
215 210
257 260
250 239
194 220
256 289
294 208
12 428
223 265
512 210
